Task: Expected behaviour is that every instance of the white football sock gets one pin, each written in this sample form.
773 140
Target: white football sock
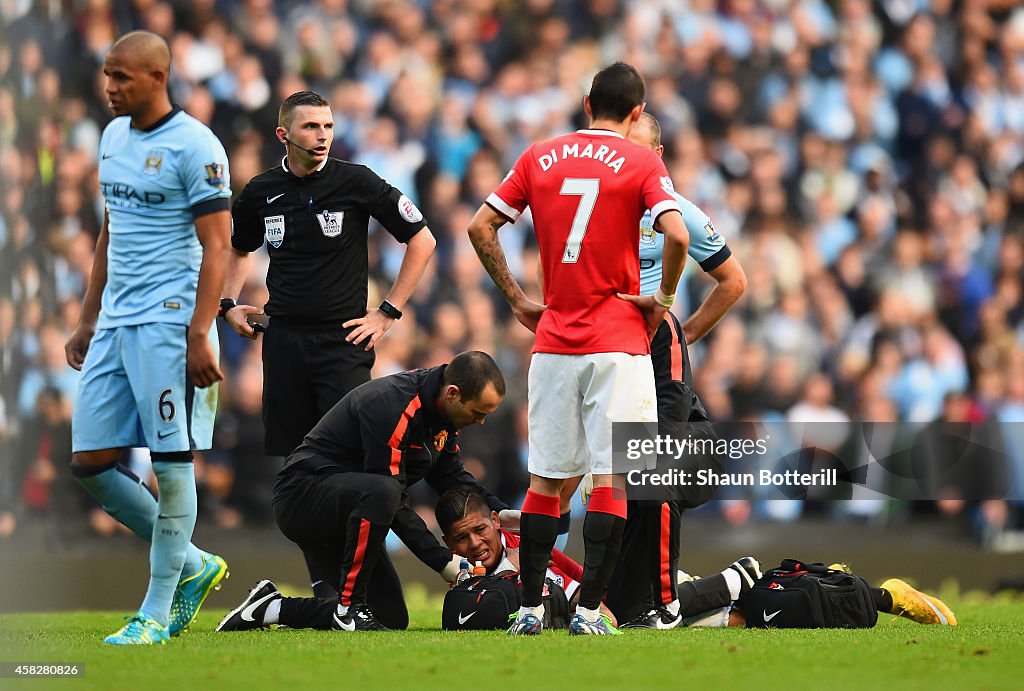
716 618
273 613
537 611
673 607
590 615
734 581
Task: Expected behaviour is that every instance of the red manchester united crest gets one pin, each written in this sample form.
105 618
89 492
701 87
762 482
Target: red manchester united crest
440 439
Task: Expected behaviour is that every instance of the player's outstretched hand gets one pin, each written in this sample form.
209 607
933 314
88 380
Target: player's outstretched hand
371 327
652 311
238 318
528 313
202 361
78 345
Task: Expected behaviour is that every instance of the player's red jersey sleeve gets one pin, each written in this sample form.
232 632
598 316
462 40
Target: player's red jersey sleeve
510 199
567 565
658 190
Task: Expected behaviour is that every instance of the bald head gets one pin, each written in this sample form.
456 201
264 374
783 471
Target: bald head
144 50
137 69
646 131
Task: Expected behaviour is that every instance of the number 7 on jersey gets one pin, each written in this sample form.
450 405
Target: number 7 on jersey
587 190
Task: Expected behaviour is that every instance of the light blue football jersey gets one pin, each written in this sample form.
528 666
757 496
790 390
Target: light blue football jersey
155 182
707 246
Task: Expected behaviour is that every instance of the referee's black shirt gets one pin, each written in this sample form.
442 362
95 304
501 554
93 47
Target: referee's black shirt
316 230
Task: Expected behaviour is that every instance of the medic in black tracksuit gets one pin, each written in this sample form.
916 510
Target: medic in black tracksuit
345 486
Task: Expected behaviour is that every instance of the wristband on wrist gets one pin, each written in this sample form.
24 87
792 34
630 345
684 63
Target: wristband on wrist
226 304
662 299
389 310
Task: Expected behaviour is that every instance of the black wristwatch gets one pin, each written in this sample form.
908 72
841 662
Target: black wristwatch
226 305
390 310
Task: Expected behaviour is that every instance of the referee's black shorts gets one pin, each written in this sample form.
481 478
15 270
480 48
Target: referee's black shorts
306 370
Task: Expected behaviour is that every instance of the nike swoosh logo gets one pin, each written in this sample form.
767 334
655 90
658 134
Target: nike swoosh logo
769 617
271 200
351 626
659 624
247 613
104 157
162 435
464 619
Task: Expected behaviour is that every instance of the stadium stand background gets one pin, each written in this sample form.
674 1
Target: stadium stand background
865 161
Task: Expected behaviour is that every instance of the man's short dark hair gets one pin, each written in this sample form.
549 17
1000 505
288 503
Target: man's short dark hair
456 504
299 98
473 370
616 90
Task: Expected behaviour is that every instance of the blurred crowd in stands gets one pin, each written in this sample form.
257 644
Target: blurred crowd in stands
864 160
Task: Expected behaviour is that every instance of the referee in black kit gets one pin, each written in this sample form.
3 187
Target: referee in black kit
345 487
313 211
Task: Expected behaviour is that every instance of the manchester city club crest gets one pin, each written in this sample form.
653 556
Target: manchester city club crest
646 230
274 226
440 439
330 222
154 159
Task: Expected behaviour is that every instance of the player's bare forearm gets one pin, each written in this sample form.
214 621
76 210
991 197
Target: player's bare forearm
370 328
237 271
214 231
78 344
483 233
417 254
673 256
238 316
730 283
97 279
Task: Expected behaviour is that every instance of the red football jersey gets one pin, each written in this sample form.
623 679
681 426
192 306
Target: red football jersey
563 569
588 191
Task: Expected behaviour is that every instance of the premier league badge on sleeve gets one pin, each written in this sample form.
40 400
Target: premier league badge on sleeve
274 230
330 223
408 210
215 175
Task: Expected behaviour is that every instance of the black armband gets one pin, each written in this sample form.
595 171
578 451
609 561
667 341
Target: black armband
390 310
226 304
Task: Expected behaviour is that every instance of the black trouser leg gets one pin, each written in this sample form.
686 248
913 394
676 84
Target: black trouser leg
629 588
351 510
384 596
704 595
664 537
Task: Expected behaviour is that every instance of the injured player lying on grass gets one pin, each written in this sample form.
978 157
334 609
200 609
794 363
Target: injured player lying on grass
472 530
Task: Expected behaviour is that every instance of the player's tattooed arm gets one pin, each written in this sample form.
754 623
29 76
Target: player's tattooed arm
483 233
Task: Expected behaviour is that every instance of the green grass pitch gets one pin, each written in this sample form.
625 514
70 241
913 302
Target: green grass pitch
984 652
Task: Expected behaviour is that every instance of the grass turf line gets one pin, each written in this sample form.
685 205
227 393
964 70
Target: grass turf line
983 652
